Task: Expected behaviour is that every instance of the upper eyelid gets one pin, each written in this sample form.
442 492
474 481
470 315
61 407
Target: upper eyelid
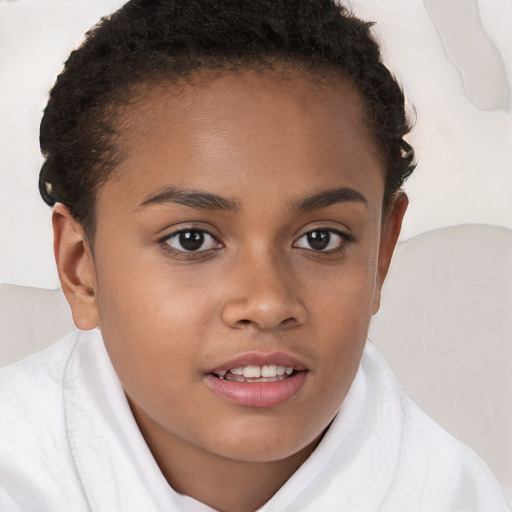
184 229
166 243
218 237
346 239
337 231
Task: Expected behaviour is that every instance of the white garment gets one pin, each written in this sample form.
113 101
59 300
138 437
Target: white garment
69 443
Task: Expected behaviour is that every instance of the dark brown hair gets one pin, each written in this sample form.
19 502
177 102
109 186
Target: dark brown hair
155 40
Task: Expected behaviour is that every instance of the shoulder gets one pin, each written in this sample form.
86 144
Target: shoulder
34 452
30 387
439 469
48 364
433 471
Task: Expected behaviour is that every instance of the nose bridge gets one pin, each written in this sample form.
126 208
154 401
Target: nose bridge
262 294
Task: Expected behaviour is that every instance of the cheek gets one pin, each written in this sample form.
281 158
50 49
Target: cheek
344 293
342 304
151 321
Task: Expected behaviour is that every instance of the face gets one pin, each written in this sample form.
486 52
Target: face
238 258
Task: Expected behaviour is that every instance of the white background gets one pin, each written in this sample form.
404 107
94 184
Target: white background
454 58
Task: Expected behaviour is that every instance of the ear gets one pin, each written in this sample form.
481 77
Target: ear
75 264
391 226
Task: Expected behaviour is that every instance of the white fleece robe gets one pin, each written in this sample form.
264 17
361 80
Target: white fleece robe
69 443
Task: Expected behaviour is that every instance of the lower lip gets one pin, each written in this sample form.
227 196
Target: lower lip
257 394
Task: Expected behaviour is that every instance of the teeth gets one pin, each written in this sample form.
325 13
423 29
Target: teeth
252 371
255 372
269 371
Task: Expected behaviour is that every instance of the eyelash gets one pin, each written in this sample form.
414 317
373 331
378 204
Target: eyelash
344 238
165 242
189 254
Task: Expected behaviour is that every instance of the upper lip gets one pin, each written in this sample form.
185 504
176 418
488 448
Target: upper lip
260 359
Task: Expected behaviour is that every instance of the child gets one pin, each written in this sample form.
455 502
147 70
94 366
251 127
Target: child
226 188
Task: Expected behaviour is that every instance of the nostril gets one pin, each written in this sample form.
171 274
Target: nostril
255 312
288 322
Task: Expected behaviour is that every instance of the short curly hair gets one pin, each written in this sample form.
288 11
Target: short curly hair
165 40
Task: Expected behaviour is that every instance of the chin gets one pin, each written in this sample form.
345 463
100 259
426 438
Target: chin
263 445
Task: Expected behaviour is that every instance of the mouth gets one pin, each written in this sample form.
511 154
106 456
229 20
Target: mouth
253 373
255 380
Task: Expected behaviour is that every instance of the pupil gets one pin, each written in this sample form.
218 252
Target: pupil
319 240
191 240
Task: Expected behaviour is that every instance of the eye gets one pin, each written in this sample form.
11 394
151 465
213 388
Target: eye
321 240
192 240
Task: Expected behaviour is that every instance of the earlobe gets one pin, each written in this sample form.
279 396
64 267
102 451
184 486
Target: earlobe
390 232
75 265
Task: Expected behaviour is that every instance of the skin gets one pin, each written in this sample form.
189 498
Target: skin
264 142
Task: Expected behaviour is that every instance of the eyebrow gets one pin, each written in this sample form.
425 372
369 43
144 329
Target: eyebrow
191 198
207 201
328 197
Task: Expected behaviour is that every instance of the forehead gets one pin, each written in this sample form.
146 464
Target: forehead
251 127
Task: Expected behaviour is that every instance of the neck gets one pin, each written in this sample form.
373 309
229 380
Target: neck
224 484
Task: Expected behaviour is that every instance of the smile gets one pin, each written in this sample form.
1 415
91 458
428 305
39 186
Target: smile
266 373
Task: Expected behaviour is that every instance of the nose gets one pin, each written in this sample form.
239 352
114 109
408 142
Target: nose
262 294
